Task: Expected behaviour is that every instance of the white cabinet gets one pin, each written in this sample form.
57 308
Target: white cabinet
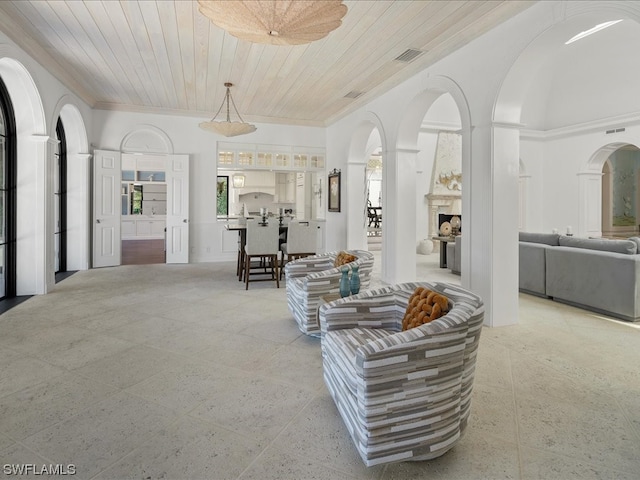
157 227
252 156
128 228
143 227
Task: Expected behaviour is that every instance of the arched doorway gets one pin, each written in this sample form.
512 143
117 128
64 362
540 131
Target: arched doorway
77 179
407 201
367 139
439 168
32 239
620 193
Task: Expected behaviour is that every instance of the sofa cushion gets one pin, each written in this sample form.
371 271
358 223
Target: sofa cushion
546 238
424 306
604 244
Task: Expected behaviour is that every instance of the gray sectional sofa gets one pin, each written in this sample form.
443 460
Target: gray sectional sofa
602 275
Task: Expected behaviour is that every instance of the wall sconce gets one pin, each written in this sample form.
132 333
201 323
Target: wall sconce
238 181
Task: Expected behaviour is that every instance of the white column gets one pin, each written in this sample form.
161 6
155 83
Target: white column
354 193
78 213
523 195
399 216
32 219
491 208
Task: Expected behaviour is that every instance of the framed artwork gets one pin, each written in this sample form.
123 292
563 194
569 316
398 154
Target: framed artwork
222 196
334 191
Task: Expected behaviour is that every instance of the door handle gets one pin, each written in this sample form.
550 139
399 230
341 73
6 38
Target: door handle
97 220
185 221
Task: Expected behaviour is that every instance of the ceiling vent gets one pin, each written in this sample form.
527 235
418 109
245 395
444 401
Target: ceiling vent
617 130
353 94
409 55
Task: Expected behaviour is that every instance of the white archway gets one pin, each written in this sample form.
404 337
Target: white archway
78 181
399 249
359 152
32 150
592 188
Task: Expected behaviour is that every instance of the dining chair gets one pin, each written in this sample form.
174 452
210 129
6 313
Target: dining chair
302 241
262 243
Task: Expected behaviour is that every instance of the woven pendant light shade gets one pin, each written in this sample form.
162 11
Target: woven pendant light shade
275 22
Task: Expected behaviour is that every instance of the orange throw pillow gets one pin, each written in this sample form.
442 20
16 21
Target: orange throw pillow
424 306
343 258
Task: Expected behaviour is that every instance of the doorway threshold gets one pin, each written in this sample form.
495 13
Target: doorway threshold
7 304
63 275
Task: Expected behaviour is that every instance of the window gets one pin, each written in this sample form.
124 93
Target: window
7 196
60 200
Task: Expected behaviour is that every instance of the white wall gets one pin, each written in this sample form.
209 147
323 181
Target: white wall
207 238
579 92
557 163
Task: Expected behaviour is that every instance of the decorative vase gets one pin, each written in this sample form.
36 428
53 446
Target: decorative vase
355 280
345 288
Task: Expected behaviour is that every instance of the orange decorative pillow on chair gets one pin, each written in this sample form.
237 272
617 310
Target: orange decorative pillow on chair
424 306
343 258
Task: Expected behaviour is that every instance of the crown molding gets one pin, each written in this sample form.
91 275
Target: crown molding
602 124
199 114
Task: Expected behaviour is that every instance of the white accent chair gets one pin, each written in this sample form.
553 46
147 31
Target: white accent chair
302 241
262 243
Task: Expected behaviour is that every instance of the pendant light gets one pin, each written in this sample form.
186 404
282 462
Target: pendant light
227 127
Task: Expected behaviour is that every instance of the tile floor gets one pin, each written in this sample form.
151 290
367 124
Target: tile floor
177 372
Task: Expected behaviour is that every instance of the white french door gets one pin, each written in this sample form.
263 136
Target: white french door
177 233
106 208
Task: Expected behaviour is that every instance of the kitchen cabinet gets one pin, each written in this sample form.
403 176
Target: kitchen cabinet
143 227
250 156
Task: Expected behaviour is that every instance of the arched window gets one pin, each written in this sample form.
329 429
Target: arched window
60 200
7 195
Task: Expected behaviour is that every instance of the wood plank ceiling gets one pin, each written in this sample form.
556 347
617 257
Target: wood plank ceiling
164 56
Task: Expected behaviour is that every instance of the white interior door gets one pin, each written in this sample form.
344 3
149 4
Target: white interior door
177 234
106 208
